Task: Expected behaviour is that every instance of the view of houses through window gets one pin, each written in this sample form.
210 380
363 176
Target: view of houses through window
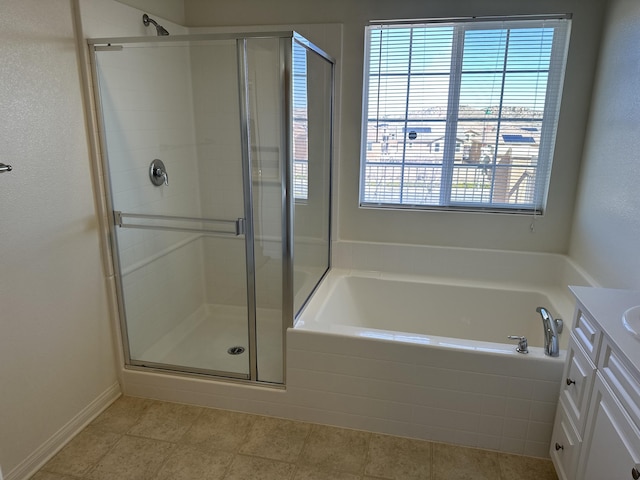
462 114
300 124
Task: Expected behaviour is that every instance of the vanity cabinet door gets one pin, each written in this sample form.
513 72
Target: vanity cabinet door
576 386
565 446
587 333
612 443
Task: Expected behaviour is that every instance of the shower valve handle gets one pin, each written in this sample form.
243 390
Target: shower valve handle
162 174
158 173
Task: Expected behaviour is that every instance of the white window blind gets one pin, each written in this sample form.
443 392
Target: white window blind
461 115
300 124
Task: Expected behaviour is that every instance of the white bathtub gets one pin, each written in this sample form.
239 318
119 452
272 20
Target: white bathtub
429 311
429 357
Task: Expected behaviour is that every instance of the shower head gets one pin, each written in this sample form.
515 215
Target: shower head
159 28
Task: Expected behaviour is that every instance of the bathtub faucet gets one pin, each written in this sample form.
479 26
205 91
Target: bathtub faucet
551 330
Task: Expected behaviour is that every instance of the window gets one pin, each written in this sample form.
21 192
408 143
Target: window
300 125
461 115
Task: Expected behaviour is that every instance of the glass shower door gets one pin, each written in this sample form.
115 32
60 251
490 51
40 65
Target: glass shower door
171 135
312 142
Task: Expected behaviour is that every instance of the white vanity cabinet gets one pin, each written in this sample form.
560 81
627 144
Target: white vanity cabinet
596 434
611 449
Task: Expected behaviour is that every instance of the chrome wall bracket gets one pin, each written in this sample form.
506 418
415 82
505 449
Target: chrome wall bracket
5 168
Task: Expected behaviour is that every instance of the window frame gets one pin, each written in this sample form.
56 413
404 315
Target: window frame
451 145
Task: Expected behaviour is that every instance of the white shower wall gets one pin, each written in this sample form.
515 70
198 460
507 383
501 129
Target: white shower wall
217 124
148 114
214 72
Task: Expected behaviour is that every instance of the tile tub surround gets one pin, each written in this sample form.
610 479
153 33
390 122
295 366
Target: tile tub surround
130 440
492 401
399 377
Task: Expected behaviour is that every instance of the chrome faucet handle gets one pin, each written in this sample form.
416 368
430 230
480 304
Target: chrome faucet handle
559 325
158 173
523 346
163 175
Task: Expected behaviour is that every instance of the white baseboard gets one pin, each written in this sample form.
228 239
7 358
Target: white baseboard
30 465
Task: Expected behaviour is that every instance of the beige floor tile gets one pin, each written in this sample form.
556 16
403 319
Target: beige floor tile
42 475
526 468
220 430
179 442
188 462
276 439
398 458
330 448
451 462
305 472
132 458
254 468
123 414
82 452
166 421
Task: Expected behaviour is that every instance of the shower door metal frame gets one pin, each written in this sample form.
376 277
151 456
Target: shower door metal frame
247 162
286 129
114 44
286 45
332 62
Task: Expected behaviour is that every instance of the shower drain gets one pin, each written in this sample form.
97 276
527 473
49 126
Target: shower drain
237 350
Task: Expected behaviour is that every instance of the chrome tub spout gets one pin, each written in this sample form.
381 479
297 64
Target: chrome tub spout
551 330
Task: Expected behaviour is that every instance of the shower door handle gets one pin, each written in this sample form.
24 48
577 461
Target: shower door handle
5 168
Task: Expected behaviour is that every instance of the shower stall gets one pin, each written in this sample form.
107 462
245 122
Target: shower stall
217 162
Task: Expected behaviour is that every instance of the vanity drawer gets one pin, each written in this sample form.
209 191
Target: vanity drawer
621 380
587 334
576 384
565 446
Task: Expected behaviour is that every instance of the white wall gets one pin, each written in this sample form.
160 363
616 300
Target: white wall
56 347
170 9
214 73
509 232
606 229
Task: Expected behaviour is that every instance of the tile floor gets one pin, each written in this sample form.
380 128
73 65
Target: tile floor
141 439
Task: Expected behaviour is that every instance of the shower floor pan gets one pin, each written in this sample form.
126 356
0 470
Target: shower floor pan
203 341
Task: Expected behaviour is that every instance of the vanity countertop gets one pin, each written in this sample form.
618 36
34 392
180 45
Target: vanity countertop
606 306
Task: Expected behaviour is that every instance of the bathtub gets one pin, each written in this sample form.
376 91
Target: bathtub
429 358
429 311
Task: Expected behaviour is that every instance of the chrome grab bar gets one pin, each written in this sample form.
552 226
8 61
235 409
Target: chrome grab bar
238 224
5 168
